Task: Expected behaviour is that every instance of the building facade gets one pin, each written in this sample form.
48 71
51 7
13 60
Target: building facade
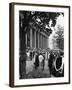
36 39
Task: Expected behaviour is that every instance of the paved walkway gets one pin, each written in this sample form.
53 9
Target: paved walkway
30 66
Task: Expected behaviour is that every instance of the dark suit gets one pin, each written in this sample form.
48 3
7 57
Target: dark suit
50 62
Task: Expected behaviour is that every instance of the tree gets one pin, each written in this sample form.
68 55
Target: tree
60 38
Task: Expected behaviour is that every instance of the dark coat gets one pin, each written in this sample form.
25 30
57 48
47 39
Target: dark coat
50 62
36 61
51 58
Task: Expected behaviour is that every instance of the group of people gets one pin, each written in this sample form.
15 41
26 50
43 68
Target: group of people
38 68
54 65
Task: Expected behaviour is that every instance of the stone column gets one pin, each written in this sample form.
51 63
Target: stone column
38 39
35 39
31 38
26 39
44 42
41 40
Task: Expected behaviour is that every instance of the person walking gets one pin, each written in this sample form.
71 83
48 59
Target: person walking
50 62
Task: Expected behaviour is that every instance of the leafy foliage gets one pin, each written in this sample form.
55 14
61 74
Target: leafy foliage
37 19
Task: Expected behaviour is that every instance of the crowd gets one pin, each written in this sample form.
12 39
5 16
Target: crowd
55 65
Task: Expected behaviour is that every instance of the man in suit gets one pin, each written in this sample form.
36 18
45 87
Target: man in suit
50 62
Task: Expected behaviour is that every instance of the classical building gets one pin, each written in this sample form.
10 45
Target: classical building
37 39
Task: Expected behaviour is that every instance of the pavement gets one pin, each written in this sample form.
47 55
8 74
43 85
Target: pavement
30 66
